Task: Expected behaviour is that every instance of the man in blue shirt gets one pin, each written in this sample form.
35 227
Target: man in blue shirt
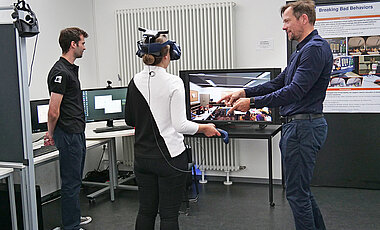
299 91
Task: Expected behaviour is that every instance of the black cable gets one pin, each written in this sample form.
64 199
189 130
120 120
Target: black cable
31 65
104 150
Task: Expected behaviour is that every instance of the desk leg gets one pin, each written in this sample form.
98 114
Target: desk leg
270 168
112 168
24 198
12 201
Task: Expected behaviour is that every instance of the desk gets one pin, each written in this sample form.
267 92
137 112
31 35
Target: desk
53 156
110 136
90 144
8 173
255 133
252 132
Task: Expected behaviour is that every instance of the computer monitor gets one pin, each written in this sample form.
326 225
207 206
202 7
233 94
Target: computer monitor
104 104
204 88
39 115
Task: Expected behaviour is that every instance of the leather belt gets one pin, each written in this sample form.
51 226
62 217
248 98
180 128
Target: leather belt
307 116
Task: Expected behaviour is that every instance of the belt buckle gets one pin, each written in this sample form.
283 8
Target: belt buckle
286 119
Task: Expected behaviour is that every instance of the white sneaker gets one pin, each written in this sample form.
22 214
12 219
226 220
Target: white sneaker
85 220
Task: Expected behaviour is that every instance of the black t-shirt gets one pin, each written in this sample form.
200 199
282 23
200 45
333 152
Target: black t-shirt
63 79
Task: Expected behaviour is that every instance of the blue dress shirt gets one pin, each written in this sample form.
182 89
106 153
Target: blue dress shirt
301 87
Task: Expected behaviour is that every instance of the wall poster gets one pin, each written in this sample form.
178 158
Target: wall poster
353 32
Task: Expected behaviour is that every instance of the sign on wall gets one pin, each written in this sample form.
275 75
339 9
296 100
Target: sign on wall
353 33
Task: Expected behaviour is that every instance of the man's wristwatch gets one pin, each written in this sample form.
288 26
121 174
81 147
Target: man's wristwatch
252 102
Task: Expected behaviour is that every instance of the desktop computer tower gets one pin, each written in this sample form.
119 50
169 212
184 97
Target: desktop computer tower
5 213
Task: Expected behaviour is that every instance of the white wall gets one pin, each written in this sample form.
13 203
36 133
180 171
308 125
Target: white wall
53 16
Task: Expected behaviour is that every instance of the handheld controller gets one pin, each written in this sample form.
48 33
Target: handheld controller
224 134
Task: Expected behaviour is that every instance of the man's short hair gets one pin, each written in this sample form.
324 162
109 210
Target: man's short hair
301 7
68 35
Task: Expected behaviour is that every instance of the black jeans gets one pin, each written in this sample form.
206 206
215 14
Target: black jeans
72 152
300 142
160 189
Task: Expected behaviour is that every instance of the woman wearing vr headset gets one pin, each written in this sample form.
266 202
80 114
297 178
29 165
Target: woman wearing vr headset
156 108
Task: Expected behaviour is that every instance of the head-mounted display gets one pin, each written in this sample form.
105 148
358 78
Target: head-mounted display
148 44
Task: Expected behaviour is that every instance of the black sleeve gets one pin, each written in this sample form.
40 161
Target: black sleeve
57 82
129 117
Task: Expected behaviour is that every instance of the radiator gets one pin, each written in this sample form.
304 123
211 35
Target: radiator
214 154
128 151
205 33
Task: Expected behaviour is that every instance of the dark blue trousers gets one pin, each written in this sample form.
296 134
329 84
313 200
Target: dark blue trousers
161 189
72 152
300 142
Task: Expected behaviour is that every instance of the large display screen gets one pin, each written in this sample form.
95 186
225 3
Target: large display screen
204 88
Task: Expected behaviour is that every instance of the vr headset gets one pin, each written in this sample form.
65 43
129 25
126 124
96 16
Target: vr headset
148 44
25 19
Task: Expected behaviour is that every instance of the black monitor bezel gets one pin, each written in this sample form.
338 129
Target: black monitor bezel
184 75
105 119
37 127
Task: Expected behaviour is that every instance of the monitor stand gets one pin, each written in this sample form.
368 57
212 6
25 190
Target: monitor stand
109 123
111 128
261 127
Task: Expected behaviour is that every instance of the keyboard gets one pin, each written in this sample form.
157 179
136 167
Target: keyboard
113 128
44 150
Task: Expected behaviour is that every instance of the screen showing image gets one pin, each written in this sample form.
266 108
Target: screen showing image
39 115
207 88
104 104
42 113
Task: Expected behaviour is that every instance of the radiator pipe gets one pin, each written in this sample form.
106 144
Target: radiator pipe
227 182
203 181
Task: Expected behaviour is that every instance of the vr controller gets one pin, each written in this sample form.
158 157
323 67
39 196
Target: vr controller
224 134
148 44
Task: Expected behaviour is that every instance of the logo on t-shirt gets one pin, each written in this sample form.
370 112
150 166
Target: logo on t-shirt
58 79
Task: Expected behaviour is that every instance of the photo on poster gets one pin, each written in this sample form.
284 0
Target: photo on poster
338 46
364 45
356 72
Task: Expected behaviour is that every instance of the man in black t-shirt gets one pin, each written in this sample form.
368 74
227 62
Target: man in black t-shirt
66 124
